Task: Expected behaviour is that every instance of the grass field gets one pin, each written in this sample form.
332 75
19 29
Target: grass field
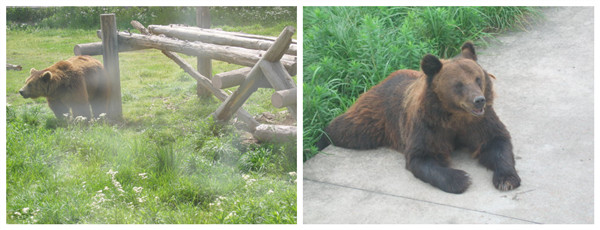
347 50
165 163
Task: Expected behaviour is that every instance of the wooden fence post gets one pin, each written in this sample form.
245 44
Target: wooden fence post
110 46
204 64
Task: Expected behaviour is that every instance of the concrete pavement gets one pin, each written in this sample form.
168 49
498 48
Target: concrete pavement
545 98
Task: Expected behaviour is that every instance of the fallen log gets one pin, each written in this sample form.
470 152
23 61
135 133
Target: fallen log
13 67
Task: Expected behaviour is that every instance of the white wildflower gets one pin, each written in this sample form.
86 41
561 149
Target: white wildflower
292 173
25 210
80 119
143 175
249 182
137 189
270 191
245 176
231 214
17 213
111 172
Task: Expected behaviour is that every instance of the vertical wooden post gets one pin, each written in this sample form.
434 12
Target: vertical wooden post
110 47
204 64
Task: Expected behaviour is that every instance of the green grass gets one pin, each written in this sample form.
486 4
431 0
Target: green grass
166 163
347 50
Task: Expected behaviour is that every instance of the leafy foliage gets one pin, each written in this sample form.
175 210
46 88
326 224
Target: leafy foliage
89 17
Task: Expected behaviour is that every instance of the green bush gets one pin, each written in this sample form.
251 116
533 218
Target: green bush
347 50
89 17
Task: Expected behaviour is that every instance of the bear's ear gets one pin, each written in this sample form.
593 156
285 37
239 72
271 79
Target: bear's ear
468 51
491 75
32 70
430 65
46 76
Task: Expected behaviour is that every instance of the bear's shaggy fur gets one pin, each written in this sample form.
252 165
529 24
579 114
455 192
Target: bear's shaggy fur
426 115
74 85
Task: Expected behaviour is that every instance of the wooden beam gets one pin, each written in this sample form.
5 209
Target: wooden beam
237 34
283 98
279 79
217 38
204 64
236 77
275 133
239 96
110 56
235 55
277 50
95 48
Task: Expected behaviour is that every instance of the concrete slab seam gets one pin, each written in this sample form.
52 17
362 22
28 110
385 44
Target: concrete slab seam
420 200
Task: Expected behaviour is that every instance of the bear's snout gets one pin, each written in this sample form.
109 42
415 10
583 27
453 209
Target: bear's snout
479 102
22 92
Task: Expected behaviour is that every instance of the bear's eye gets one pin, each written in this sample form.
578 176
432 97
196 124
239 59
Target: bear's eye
478 81
458 88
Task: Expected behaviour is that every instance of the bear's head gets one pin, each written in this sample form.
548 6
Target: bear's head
460 84
38 84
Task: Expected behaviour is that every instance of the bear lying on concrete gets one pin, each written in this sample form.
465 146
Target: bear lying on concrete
426 115
73 85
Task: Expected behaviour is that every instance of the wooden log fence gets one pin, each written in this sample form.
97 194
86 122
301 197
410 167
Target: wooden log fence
266 69
269 67
235 55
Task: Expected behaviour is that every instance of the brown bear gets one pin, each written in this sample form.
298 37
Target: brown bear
74 85
426 115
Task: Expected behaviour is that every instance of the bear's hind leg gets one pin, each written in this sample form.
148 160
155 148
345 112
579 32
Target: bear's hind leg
436 173
345 132
497 155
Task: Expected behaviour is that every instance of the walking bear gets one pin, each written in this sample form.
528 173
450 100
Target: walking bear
71 86
428 114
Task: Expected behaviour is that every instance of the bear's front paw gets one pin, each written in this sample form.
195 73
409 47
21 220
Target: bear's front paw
506 181
456 181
